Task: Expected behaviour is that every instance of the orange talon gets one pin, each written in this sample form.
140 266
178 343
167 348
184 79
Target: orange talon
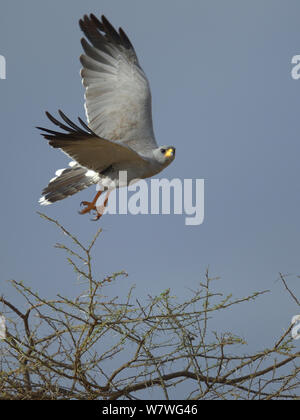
89 206
101 210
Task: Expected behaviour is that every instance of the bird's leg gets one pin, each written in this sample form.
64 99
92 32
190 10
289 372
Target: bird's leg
100 210
90 205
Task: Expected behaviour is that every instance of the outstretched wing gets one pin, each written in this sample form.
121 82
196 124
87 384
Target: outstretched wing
86 148
117 96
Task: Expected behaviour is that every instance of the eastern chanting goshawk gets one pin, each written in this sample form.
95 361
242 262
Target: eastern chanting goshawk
119 134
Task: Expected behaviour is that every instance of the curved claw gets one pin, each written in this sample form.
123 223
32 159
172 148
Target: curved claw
88 207
96 218
97 215
84 203
91 206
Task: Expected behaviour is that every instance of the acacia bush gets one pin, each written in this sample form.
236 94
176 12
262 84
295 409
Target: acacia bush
94 347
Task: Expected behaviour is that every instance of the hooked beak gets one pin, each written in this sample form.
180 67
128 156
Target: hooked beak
170 152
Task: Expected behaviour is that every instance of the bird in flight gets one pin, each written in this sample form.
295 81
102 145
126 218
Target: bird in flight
119 133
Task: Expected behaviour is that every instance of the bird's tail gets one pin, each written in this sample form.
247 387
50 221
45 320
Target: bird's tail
68 182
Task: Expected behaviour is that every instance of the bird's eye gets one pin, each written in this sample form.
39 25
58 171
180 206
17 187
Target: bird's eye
163 151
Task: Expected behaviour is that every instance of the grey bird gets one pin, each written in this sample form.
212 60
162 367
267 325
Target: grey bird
119 134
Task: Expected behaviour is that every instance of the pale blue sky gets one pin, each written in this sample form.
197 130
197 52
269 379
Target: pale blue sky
220 73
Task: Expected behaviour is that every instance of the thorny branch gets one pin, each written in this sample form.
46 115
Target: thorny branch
95 347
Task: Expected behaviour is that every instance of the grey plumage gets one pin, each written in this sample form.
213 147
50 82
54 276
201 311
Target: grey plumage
68 181
119 135
71 180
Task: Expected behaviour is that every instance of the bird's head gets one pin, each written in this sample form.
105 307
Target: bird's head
165 154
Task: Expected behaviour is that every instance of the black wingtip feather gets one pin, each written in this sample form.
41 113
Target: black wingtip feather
97 31
110 30
84 125
97 22
69 122
125 39
73 131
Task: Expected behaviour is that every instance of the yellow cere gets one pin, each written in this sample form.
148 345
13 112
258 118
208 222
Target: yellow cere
169 152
